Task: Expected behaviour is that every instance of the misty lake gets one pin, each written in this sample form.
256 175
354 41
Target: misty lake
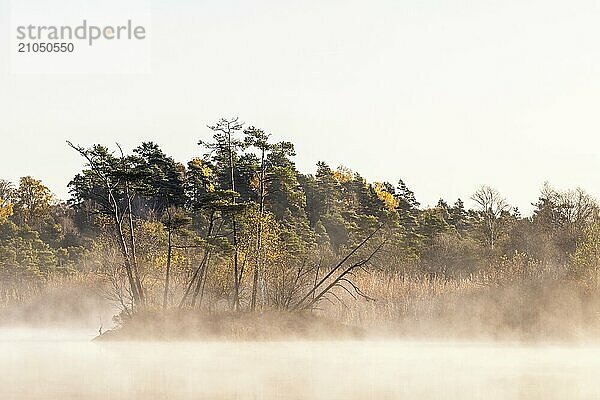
58 364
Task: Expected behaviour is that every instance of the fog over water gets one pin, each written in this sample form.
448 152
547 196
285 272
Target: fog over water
62 364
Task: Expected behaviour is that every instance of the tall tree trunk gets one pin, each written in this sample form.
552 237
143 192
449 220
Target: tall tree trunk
236 275
169 252
124 251
133 253
127 265
259 231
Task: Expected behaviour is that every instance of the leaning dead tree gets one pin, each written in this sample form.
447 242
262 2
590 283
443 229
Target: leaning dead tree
198 279
215 206
107 185
340 276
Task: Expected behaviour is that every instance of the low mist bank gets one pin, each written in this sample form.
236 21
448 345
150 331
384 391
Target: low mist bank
541 311
67 302
526 304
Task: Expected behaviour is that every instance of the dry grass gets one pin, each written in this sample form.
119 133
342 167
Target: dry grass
533 303
510 301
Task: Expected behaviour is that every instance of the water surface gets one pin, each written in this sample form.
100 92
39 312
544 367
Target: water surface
58 364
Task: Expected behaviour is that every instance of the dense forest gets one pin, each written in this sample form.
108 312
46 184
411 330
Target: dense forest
240 229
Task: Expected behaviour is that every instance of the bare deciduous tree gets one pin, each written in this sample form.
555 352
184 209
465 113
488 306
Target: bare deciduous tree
491 208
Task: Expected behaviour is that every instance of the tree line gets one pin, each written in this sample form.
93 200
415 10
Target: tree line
239 227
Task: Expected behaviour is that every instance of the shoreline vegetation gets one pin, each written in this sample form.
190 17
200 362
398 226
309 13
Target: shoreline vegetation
238 244
231 326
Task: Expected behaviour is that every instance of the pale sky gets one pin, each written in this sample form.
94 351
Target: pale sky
447 95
